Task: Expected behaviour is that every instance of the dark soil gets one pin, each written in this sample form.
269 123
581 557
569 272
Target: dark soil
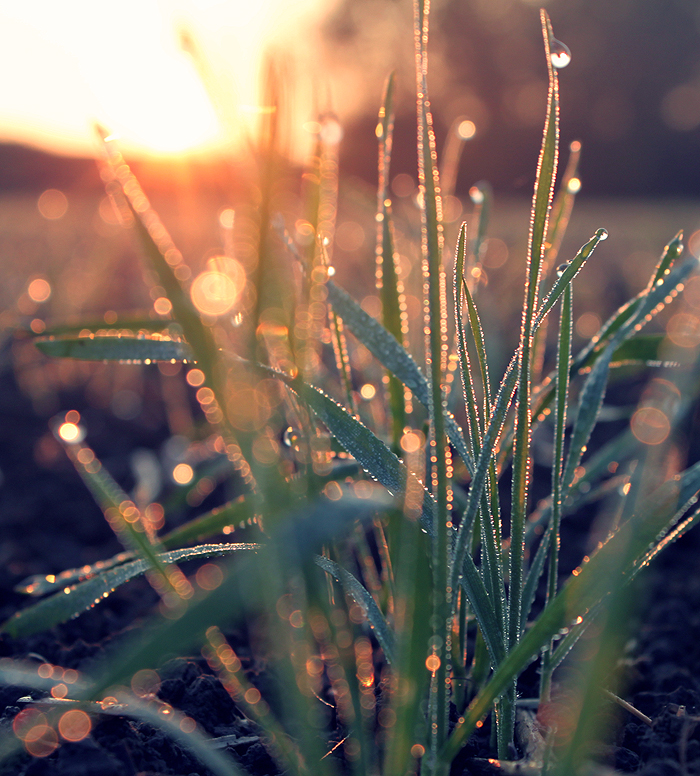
48 522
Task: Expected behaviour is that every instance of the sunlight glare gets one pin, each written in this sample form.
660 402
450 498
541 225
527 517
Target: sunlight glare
122 66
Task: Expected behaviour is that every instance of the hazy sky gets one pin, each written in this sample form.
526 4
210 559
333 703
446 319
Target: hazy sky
68 64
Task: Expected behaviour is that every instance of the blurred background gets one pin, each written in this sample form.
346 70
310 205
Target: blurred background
178 84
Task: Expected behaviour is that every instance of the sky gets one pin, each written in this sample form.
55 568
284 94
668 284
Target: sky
67 65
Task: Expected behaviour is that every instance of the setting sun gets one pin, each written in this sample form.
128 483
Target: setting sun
123 66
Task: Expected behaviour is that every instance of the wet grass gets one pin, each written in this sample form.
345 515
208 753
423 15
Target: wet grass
383 524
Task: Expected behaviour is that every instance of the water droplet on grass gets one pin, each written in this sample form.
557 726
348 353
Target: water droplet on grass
476 195
602 234
561 56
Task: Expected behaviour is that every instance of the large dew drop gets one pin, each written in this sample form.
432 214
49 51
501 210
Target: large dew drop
561 56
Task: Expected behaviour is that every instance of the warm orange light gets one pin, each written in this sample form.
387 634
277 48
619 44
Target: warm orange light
650 425
74 725
70 432
215 291
368 391
52 204
209 576
39 290
195 377
183 474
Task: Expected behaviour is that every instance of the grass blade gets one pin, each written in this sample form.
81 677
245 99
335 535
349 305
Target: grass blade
72 601
363 598
388 282
369 451
132 350
392 355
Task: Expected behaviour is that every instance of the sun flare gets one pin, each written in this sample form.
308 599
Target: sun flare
125 67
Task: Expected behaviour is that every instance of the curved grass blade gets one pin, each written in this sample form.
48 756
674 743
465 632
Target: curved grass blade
568 274
296 540
364 599
588 585
125 519
210 523
591 398
392 355
79 598
369 451
542 198
137 350
630 309
127 705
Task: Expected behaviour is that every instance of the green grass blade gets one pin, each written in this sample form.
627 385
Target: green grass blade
124 518
646 349
412 628
591 398
296 540
133 324
544 188
133 350
392 355
493 573
76 599
210 523
367 449
623 314
470 402
435 349
561 402
568 274
584 589
363 598
388 283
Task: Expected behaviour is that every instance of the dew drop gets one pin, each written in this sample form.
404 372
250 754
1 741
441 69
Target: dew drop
290 437
561 269
602 234
561 56
476 195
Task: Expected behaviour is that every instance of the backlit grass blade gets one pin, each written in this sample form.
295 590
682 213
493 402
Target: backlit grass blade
166 261
561 402
133 324
561 212
392 355
124 518
571 269
542 198
133 350
209 524
369 451
436 354
388 283
363 598
591 398
470 402
76 599
623 314
588 585
296 540
493 573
